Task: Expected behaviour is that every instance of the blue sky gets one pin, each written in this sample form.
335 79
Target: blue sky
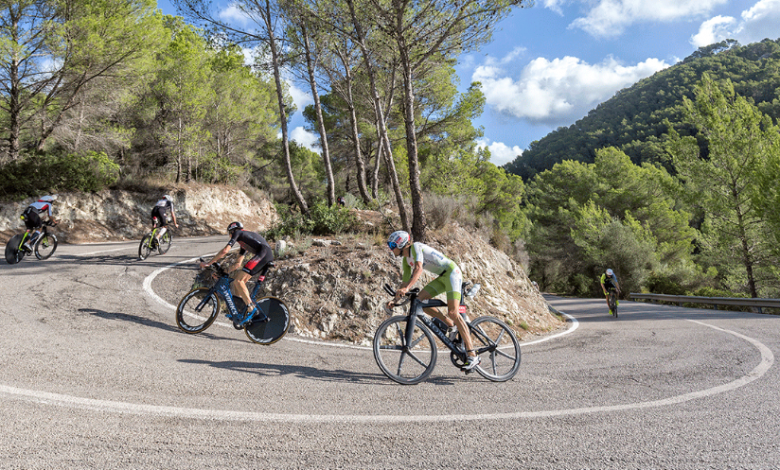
549 64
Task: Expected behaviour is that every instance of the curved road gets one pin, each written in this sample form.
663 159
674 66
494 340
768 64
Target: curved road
95 374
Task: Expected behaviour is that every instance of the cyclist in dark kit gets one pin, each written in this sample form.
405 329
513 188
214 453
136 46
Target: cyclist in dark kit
249 242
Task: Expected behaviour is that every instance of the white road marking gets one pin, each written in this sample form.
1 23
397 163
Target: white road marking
767 360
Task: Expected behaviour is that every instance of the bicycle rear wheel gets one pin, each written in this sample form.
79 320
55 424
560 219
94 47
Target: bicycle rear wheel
45 246
613 303
405 363
165 242
267 333
145 247
498 348
12 252
197 310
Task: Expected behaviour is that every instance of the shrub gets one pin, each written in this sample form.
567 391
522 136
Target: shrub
33 174
321 220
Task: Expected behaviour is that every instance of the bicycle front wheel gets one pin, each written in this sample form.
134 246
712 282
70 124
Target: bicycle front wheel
498 348
165 242
613 303
275 328
45 246
145 247
405 362
197 310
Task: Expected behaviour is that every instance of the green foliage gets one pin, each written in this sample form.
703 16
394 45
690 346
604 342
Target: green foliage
31 175
633 120
321 220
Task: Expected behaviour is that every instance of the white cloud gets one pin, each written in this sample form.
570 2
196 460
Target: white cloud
612 17
756 23
305 138
713 30
500 153
233 14
300 97
560 91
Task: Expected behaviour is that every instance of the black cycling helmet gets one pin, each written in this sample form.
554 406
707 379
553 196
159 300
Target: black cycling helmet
235 226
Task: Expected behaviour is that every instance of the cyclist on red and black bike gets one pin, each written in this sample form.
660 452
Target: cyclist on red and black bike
255 244
32 218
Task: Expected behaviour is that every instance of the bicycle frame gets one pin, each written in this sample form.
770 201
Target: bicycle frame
28 234
222 289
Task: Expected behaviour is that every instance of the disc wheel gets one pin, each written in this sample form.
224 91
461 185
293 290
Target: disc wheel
145 247
12 252
497 347
405 362
197 310
275 328
45 246
165 242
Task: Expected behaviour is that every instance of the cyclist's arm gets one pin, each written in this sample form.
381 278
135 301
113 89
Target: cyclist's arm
217 257
173 216
416 273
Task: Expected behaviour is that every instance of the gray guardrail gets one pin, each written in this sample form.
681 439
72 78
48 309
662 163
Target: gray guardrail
757 304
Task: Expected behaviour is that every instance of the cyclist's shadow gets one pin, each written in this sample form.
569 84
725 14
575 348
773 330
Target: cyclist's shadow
270 370
347 376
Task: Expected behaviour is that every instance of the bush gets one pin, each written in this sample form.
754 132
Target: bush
34 174
321 220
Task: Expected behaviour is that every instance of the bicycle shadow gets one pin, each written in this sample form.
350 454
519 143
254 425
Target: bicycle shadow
269 370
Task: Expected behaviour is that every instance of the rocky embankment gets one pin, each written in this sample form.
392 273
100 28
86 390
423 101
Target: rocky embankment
122 215
332 285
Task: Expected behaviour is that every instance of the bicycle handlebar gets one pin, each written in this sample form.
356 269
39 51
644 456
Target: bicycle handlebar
408 295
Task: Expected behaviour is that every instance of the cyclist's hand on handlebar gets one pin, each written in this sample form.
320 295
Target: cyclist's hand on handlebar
400 293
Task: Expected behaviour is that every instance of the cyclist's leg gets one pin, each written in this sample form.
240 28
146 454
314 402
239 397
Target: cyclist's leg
251 268
242 291
431 290
454 281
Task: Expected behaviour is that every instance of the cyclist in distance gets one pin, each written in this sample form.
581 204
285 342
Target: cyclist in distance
418 257
609 281
160 216
32 218
262 255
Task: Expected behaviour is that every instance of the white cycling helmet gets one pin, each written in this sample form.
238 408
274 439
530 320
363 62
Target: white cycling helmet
168 198
51 198
398 239
610 272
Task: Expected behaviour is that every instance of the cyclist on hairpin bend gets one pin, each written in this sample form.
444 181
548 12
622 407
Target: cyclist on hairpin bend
609 280
255 244
160 216
418 256
32 218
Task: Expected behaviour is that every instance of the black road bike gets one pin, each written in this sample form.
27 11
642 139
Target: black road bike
199 308
405 348
43 247
612 301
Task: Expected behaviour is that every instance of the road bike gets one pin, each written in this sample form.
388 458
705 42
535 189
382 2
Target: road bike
150 243
43 247
406 352
612 301
199 308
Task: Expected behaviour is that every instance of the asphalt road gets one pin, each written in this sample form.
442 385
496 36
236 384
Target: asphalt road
95 374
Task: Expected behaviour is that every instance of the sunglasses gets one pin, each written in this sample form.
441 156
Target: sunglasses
392 245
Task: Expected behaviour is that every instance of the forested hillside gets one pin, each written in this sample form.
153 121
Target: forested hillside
633 120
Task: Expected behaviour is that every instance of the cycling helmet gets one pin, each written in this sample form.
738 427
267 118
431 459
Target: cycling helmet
51 198
398 239
610 273
168 198
235 226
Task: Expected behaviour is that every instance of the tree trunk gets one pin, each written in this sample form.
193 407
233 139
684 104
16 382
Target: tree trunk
320 120
360 163
384 138
296 193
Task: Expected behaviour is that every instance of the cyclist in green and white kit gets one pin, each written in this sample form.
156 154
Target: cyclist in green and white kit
418 257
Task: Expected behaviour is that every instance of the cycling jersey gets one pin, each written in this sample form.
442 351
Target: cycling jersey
450 279
609 282
255 244
31 215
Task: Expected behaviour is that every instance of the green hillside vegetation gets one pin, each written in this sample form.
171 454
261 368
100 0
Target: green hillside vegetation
634 119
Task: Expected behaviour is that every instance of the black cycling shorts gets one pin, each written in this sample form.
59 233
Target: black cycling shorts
257 263
159 217
31 219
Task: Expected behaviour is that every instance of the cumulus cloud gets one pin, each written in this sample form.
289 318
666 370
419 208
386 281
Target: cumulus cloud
755 24
305 138
500 153
713 30
233 14
300 97
612 17
559 91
